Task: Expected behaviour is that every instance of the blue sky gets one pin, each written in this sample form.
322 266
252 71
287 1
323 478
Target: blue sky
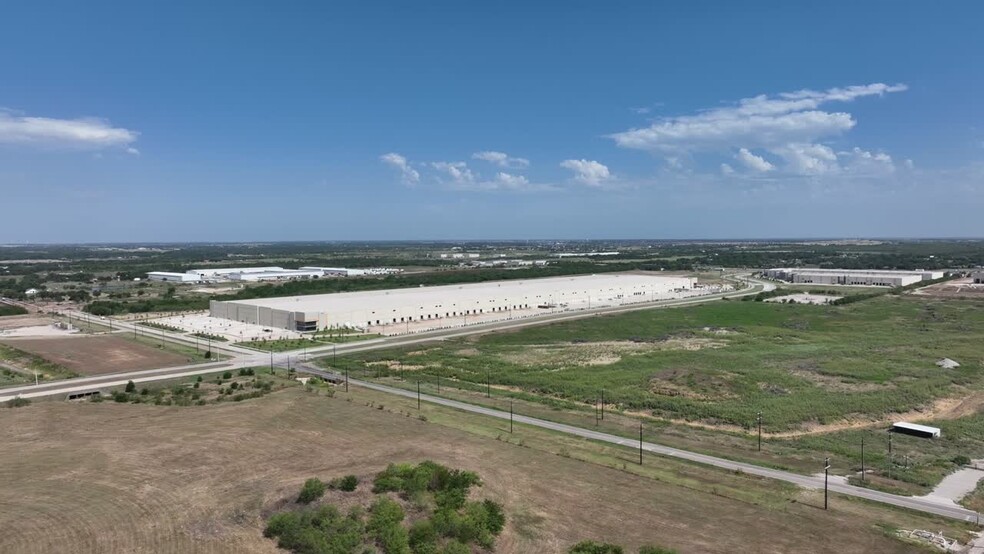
254 121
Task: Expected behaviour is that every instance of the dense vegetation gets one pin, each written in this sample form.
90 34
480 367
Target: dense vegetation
444 520
592 547
9 309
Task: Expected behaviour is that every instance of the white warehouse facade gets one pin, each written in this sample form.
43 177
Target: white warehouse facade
397 306
880 278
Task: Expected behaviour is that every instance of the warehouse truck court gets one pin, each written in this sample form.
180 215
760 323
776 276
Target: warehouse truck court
395 310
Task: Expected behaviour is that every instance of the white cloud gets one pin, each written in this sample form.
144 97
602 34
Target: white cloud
757 122
132 150
408 175
808 159
867 163
76 133
727 169
509 181
458 171
751 161
501 159
589 172
789 125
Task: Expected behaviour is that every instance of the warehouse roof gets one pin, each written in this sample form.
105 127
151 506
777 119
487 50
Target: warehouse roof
552 288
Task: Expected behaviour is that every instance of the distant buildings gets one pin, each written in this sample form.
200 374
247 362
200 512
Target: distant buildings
978 276
864 277
271 273
173 277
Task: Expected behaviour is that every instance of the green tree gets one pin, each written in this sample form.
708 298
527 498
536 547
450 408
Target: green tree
130 387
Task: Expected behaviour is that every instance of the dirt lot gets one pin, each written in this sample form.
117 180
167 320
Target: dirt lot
138 478
28 320
95 355
958 288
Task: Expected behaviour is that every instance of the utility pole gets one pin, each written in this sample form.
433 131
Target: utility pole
603 404
271 361
640 443
37 382
510 415
891 461
488 383
759 417
418 394
826 471
862 459
346 379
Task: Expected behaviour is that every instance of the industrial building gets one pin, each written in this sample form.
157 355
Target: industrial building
864 277
173 277
978 277
270 273
450 304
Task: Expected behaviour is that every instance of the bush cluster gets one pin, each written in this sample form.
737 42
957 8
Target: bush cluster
454 523
592 547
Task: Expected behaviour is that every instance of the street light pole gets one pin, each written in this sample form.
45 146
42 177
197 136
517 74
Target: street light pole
640 443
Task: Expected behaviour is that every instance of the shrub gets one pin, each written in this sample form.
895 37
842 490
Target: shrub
18 402
384 524
312 490
650 549
130 387
346 484
592 547
423 537
120 396
227 375
455 547
961 460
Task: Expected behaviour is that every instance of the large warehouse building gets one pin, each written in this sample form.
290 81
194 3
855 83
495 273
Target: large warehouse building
879 278
453 304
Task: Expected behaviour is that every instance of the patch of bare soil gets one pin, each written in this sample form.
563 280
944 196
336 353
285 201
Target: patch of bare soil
600 353
26 320
397 365
690 384
96 355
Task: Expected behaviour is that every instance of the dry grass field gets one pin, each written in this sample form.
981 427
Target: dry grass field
108 477
96 355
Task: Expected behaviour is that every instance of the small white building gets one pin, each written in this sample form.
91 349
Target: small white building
978 277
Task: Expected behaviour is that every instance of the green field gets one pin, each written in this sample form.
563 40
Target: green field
822 376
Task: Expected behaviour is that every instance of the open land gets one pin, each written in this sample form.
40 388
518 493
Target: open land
97 355
205 478
823 377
